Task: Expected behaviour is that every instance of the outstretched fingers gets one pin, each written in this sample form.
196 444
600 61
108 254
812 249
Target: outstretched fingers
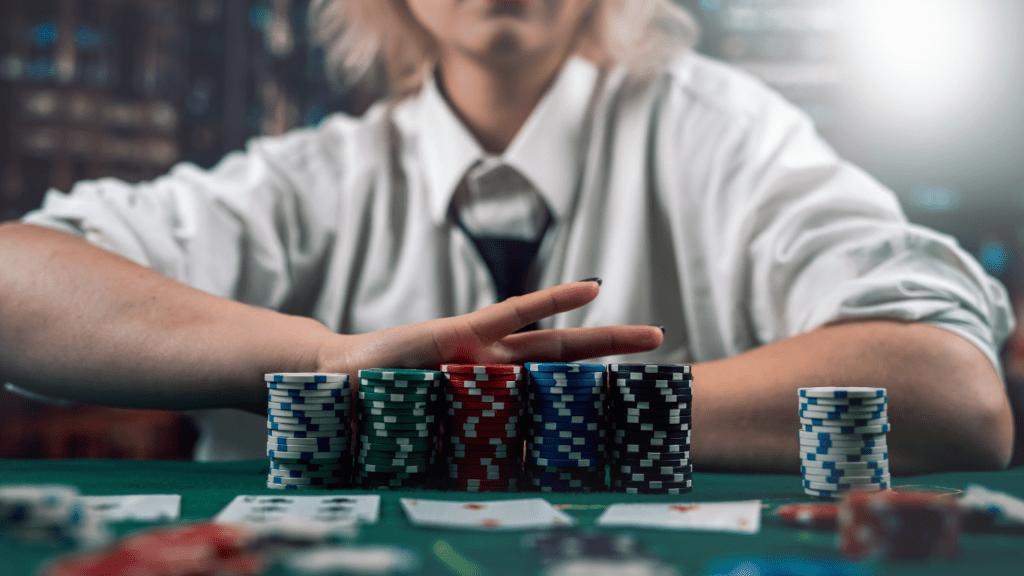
567 345
499 320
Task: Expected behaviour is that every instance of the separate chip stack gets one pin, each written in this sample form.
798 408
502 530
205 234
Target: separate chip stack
650 418
308 422
398 427
566 432
50 514
482 441
842 440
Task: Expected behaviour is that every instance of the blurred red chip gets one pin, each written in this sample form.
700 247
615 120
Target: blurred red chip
899 525
481 368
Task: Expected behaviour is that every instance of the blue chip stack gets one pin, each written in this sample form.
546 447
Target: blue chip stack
308 422
399 427
650 418
843 440
565 428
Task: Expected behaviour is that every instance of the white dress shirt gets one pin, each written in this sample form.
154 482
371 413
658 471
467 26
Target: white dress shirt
706 202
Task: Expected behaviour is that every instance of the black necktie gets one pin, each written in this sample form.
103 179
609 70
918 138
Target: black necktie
506 219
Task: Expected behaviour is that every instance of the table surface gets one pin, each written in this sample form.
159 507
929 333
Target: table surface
207 487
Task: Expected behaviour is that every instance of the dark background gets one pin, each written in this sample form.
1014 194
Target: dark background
926 95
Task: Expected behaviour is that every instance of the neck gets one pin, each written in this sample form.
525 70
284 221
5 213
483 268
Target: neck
495 101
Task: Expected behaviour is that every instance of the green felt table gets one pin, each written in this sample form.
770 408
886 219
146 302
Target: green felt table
207 487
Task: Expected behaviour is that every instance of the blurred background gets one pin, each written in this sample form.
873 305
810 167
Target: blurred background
926 95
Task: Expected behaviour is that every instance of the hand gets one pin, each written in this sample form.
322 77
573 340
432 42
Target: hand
487 336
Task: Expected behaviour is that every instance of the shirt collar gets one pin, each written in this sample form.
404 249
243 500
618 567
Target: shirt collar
546 150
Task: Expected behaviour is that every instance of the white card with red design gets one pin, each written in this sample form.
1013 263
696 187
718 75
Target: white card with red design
739 517
518 514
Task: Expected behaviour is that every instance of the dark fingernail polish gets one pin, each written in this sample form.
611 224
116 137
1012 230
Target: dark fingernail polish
662 330
598 280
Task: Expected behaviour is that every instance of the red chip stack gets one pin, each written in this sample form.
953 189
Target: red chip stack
903 525
482 439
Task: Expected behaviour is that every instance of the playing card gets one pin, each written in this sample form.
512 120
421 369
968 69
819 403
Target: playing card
497 515
321 509
136 507
740 517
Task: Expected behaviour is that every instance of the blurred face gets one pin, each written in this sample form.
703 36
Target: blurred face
501 31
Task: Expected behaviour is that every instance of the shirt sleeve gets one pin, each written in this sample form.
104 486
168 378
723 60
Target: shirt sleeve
829 243
234 231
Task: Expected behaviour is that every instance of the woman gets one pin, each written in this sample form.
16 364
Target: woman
575 139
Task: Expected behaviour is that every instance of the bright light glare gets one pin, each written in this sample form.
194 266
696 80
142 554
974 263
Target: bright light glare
919 59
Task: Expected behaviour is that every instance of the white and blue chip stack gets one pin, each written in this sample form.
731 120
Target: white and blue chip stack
565 430
650 417
842 440
50 514
308 424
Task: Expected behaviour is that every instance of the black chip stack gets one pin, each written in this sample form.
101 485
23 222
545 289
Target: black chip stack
649 418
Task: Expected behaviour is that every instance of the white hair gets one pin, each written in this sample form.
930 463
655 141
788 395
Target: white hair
380 40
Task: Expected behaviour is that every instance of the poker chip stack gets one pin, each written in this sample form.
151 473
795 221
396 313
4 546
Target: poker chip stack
308 440
649 448
842 440
50 514
565 433
482 441
398 427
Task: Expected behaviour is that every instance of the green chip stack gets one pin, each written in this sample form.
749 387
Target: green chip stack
398 427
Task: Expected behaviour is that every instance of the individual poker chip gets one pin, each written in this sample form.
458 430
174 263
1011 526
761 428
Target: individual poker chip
479 413
419 460
301 393
640 407
480 393
814 444
307 443
655 399
461 439
595 406
648 448
495 379
845 465
399 385
650 424
567 462
493 434
302 420
399 374
826 415
313 481
556 441
651 368
311 466
399 418
481 368
845 423
573 452
838 436
565 394
420 426
322 406
456 403
505 399
876 429
539 427
305 377
493 421
477 460
387 390
823 475
342 413
483 428
339 473
842 407
546 388
563 367
830 403
306 427
652 387
301 434
397 412
303 455
621 457
468 451
397 397
844 473
814 457
473 387
841 392
588 413
373 433
386 468
822 450
656 412
652 487
846 487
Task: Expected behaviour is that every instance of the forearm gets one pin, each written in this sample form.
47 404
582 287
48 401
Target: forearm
947 406
82 323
